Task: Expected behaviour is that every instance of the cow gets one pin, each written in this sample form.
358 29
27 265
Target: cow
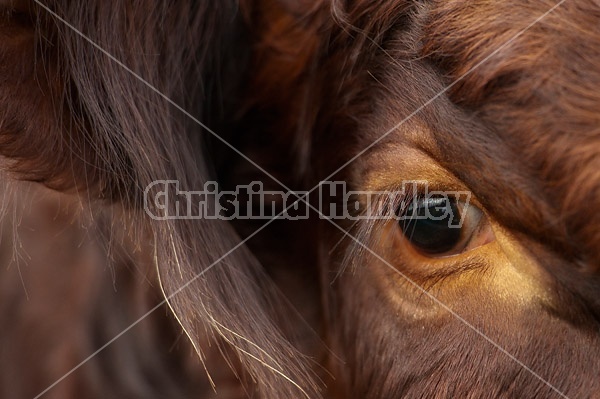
465 262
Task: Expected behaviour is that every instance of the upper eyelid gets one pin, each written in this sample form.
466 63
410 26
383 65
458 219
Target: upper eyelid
453 188
390 205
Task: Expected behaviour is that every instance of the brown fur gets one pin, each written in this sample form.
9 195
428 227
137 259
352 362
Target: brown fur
300 87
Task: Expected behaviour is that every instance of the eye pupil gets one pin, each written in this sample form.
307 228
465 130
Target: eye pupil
431 224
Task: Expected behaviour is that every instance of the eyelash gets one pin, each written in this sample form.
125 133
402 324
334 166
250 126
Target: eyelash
434 241
364 230
398 200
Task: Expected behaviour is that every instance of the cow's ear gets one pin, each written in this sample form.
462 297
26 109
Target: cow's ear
39 140
48 132
83 102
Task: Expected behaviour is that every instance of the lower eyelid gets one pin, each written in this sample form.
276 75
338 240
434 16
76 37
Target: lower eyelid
421 268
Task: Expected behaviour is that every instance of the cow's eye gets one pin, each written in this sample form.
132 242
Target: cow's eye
443 226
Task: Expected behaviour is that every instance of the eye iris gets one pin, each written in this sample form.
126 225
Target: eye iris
431 224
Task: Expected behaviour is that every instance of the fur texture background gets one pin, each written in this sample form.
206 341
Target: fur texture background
299 87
